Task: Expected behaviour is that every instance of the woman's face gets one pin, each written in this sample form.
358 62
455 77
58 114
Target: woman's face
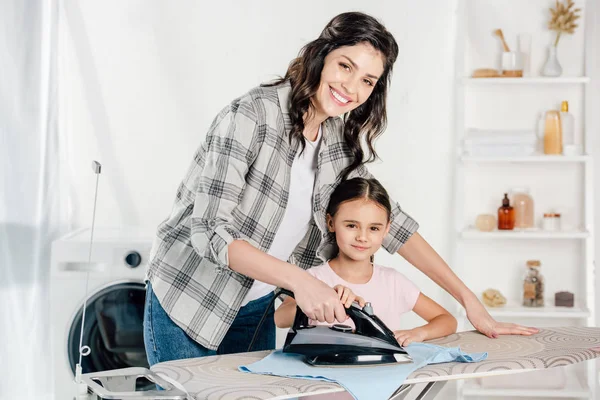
347 79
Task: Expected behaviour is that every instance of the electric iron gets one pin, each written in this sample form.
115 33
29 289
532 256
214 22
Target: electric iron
370 343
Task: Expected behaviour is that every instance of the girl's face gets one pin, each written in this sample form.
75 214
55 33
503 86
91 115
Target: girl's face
360 226
347 80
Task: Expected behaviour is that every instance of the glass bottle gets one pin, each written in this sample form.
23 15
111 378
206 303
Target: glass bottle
523 204
552 133
524 43
567 122
533 285
506 215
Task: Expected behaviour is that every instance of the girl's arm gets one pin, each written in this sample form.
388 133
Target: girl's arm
285 313
439 322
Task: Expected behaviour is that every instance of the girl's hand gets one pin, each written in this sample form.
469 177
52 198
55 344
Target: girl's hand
405 338
347 296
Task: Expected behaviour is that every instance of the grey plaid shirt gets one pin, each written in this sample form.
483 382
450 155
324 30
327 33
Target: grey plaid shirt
237 188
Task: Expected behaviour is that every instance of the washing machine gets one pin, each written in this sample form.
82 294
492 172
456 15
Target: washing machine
115 302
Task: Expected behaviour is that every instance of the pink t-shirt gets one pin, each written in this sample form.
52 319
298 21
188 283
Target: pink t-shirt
390 293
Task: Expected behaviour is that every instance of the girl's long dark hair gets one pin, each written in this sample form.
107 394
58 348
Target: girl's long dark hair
304 73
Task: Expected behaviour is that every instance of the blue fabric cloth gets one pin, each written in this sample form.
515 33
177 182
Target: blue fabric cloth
360 381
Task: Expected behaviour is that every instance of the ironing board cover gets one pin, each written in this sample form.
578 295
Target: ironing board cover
217 377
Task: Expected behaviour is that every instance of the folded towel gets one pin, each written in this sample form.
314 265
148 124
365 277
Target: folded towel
500 150
361 381
494 136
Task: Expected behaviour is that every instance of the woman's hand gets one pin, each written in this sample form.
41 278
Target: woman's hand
484 323
347 296
405 338
318 301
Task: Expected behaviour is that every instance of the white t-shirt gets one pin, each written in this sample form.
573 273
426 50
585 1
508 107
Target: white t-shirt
297 215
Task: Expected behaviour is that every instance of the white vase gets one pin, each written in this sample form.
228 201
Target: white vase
552 66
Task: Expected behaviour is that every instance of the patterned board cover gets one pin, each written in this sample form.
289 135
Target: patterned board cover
217 377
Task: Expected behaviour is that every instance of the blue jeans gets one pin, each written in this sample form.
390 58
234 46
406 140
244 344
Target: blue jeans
165 341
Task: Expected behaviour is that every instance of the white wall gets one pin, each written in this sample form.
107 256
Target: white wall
140 95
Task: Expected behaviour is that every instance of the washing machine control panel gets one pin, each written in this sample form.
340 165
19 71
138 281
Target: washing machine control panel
115 252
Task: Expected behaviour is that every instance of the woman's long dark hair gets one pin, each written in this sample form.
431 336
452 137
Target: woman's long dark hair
304 73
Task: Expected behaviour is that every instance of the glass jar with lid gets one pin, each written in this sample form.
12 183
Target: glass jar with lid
533 285
522 202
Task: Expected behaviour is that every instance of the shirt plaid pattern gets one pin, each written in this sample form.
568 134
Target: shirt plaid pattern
237 188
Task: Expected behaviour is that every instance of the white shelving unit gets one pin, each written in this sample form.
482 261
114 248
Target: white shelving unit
524 235
514 309
497 259
525 81
537 158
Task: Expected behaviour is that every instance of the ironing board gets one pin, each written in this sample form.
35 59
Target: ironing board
218 378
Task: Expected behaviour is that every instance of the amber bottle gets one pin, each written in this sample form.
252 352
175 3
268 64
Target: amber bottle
506 215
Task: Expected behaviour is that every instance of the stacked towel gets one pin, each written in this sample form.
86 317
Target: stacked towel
479 142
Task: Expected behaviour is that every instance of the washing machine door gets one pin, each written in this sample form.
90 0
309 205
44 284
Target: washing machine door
113 329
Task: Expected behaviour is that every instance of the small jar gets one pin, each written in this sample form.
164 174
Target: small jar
533 285
485 222
551 222
512 64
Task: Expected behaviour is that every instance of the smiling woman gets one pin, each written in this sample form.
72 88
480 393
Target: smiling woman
250 213
346 71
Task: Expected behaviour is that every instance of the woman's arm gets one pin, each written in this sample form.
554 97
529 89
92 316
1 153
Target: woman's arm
231 146
439 322
420 254
318 301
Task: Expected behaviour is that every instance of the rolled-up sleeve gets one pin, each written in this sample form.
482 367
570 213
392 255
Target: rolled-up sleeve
223 162
402 225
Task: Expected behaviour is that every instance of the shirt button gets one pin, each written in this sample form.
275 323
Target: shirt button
212 223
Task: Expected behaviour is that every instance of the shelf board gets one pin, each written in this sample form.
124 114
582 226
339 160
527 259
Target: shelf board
524 234
574 388
526 80
514 309
540 158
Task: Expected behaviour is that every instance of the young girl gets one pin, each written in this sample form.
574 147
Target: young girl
358 217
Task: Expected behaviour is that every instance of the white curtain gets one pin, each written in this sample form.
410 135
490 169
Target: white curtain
32 200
